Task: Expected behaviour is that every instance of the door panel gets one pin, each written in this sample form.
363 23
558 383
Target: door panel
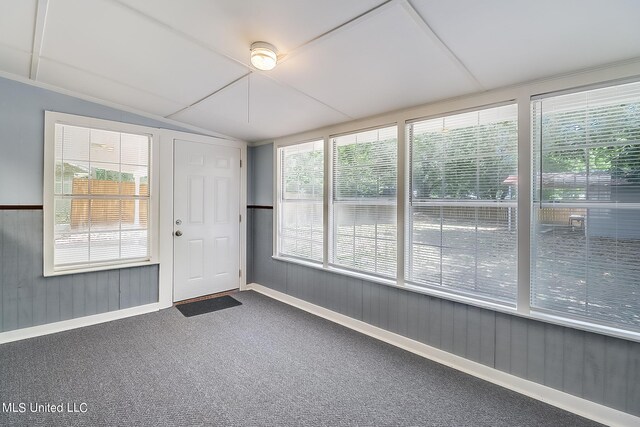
196 259
196 199
206 214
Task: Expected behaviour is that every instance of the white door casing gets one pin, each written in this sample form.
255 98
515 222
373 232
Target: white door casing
206 219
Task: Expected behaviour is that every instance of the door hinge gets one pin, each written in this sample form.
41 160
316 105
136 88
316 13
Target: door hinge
240 162
239 273
240 217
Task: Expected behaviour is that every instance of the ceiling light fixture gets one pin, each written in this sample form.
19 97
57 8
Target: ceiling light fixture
264 56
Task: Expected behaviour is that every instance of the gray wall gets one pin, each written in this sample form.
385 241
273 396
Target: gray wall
602 369
29 299
260 191
26 297
22 110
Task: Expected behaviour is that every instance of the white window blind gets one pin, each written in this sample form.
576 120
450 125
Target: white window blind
300 231
586 211
364 201
462 204
100 197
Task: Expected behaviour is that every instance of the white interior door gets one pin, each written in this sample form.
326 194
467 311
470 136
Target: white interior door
206 219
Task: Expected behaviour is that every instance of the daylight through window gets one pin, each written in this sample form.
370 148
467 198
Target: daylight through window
574 261
586 210
463 203
301 189
100 197
364 201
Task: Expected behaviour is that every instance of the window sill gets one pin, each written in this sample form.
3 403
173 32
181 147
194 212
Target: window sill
337 270
585 326
104 267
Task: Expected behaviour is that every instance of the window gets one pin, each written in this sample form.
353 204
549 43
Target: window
363 201
586 210
462 203
98 190
461 194
300 232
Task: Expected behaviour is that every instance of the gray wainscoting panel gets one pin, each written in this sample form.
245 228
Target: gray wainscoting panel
250 233
594 367
633 379
434 323
535 359
2 269
518 343
272 274
615 371
573 365
602 369
9 276
460 330
446 325
553 356
29 299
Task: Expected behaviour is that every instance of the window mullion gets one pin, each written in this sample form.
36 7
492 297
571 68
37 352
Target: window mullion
401 194
326 197
524 205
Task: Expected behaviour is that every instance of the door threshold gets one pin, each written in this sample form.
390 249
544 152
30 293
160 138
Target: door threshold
210 296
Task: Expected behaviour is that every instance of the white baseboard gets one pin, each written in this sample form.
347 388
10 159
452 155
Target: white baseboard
65 325
585 408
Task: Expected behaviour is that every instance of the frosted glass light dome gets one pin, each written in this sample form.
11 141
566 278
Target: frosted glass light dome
263 56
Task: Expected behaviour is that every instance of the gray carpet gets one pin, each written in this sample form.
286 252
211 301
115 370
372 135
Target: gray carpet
262 363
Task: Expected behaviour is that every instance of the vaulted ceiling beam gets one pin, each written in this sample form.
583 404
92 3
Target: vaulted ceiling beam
38 36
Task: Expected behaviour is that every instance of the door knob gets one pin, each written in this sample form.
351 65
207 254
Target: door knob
178 233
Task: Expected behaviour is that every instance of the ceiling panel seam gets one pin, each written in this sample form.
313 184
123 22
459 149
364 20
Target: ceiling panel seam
182 34
38 37
64 64
344 26
283 84
426 28
13 48
114 105
211 49
204 98
358 19
206 46
276 81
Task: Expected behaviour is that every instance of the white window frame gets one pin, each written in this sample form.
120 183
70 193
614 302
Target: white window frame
53 118
521 95
408 227
278 203
330 204
549 313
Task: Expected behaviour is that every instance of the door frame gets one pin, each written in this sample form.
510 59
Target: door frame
167 145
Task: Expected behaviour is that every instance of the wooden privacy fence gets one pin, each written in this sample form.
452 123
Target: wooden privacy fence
496 214
558 216
370 214
107 211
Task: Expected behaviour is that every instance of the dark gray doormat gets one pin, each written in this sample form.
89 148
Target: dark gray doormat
207 305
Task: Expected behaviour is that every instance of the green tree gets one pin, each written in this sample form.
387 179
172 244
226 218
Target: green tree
601 140
366 170
465 163
303 173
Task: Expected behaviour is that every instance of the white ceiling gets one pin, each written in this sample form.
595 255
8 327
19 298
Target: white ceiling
340 59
